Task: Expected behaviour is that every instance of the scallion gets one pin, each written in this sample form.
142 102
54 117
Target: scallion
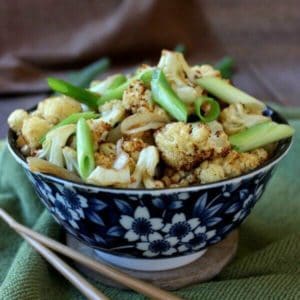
85 149
213 112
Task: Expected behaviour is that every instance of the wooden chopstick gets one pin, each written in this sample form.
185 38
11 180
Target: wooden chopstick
70 274
135 284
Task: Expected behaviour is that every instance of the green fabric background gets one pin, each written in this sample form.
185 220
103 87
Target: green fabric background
267 265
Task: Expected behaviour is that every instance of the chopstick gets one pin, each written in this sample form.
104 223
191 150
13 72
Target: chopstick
135 284
70 274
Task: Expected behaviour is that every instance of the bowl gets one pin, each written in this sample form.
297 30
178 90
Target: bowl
152 229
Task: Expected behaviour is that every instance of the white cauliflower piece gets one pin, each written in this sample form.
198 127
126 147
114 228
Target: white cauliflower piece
236 118
184 145
99 129
234 164
33 129
54 143
70 158
16 119
145 168
109 177
180 76
112 112
55 109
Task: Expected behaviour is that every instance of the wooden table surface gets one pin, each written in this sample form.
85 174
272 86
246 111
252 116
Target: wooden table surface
263 37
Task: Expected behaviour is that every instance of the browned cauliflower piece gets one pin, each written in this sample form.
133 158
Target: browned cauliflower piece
104 160
236 118
16 119
33 129
137 98
184 145
133 147
234 164
178 178
99 130
55 109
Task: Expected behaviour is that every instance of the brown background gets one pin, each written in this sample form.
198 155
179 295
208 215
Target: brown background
38 38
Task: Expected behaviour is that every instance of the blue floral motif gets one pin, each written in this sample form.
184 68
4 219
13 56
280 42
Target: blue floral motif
140 225
181 228
158 245
205 212
201 238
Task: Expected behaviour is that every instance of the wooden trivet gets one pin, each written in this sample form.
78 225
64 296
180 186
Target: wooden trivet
205 268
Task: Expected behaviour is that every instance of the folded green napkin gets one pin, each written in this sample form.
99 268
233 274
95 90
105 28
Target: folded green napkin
267 265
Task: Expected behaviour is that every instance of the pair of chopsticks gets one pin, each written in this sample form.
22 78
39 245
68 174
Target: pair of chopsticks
42 244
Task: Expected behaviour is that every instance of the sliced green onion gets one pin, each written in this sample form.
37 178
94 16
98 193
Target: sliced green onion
214 109
164 95
225 66
72 119
228 93
260 135
117 93
86 75
85 149
80 94
117 81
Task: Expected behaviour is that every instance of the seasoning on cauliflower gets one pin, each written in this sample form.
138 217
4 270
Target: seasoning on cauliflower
33 129
234 164
203 71
99 130
178 178
184 145
55 109
137 98
16 119
133 147
236 118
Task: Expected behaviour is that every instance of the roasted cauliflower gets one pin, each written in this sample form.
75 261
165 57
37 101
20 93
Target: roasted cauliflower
55 109
236 118
233 164
184 145
16 119
33 129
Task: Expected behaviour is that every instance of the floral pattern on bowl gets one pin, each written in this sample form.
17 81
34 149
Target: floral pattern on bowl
143 225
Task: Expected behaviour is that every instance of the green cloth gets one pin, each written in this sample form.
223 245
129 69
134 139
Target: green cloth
267 265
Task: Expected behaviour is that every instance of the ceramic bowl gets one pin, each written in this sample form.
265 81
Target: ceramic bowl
152 229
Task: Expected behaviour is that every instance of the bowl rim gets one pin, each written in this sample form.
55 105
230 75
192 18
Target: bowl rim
283 148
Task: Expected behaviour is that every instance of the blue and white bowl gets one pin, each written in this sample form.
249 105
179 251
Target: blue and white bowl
152 229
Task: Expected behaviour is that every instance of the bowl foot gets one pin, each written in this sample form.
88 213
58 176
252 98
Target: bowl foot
152 264
202 269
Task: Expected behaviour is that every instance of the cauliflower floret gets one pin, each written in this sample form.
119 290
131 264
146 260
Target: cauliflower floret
54 143
145 168
180 76
55 109
236 118
112 112
133 147
184 145
33 129
209 172
203 71
234 164
137 98
16 119
99 130
104 160
175 178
